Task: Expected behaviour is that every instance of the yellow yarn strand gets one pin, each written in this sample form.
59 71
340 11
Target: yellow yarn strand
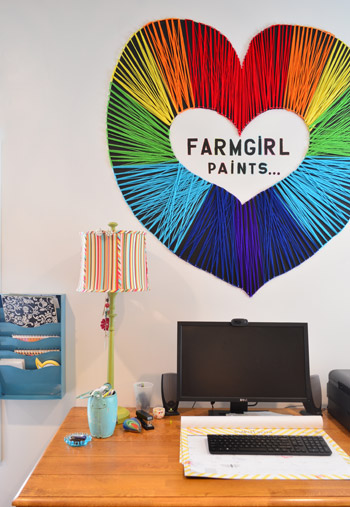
139 75
334 81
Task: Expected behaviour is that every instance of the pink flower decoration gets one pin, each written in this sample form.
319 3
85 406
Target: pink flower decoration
105 324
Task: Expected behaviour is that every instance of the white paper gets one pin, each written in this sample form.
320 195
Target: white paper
16 363
248 421
267 467
197 461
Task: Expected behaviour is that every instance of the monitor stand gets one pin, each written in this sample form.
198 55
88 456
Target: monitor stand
236 407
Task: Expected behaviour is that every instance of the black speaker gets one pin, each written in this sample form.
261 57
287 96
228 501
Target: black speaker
314 405
169 393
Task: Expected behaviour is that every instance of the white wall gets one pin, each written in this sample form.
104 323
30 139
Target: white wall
56 61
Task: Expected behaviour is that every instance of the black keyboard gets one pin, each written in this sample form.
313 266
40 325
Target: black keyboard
278 445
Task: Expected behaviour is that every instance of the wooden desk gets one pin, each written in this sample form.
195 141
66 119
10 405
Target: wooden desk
143 470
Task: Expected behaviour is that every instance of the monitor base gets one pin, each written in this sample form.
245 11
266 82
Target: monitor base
238 407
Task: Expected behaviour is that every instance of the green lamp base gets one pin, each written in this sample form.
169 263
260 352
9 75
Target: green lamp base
123 413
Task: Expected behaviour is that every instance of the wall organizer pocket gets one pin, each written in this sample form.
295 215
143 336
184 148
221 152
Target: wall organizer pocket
32 346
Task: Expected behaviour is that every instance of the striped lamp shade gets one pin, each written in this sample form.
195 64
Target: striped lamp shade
113 262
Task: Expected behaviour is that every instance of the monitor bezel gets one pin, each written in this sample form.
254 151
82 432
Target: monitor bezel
237 399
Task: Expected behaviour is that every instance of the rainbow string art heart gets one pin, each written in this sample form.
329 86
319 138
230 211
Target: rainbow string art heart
173 65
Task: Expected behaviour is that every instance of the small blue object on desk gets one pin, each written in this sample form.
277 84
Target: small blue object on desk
77 439
132 424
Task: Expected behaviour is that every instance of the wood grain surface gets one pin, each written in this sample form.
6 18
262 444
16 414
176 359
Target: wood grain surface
143 470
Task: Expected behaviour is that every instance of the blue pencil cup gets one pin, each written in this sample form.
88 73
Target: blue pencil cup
102 415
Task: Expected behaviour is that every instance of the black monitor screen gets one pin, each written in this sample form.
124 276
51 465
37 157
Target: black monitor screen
218 361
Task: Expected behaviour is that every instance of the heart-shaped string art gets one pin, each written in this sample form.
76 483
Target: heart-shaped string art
172 65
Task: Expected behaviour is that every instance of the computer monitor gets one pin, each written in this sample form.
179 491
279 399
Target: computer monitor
241 362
